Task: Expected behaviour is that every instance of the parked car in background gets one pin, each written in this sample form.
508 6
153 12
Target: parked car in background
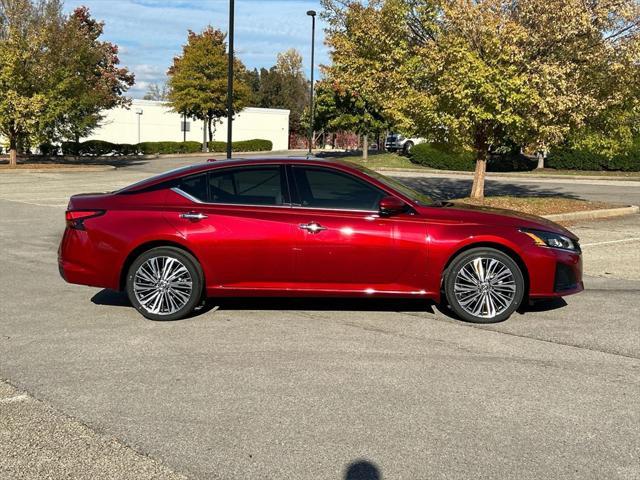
309 227
396 142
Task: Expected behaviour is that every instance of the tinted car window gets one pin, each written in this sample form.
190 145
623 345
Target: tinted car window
196 186
323 188
247 186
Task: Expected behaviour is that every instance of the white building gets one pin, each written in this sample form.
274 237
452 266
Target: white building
151 121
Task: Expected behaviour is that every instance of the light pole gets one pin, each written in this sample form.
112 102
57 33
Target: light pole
312 14
139 114
230 81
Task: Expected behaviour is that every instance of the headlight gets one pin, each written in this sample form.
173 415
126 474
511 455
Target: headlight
553 240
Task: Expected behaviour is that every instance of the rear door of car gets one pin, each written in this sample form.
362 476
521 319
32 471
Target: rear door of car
344 244
238 222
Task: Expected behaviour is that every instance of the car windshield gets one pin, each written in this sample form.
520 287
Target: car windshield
414 195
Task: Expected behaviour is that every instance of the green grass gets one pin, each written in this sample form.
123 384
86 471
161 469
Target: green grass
385 160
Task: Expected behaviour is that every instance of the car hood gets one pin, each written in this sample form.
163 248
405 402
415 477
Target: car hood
503 217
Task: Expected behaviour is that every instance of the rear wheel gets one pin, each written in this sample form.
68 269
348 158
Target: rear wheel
165 283
484 285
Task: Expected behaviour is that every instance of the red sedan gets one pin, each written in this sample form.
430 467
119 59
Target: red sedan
291 227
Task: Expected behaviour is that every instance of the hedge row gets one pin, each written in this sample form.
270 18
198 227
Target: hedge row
96 148
567 159
256 145
443 158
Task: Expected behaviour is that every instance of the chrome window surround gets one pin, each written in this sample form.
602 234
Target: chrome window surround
288 205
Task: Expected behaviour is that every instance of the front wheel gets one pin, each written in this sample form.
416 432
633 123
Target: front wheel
484 285
407 148
165 283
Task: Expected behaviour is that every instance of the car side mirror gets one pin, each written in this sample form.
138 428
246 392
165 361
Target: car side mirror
391 206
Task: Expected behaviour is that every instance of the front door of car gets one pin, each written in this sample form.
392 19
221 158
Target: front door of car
344 244
238 223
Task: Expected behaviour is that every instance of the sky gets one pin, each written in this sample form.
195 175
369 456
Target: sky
150 33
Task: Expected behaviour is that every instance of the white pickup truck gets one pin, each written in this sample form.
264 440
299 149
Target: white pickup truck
398 143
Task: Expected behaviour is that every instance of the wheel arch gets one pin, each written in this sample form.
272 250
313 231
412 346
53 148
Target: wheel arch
140 249
496 246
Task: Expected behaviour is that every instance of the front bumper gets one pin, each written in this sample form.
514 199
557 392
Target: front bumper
553 272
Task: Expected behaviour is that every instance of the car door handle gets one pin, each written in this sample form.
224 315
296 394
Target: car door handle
195 216
312 227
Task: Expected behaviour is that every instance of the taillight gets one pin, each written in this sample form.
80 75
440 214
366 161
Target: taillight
75 218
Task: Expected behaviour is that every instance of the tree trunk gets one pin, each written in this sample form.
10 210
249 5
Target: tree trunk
477 190
540 160
365 147
205 146
13 152
481 145
209 122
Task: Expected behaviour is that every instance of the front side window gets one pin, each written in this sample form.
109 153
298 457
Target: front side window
324 188
247 186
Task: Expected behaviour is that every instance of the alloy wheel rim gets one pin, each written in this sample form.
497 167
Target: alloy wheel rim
162 285
485 287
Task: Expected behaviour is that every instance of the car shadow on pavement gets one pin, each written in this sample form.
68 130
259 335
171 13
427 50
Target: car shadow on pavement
119 299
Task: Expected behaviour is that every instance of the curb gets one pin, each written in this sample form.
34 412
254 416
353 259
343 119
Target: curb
593 214
87 168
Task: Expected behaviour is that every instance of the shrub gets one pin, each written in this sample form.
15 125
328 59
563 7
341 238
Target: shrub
70 148
564 158
95 148
125 149
438 156
255 145
510 162
154 148
100 147
48 150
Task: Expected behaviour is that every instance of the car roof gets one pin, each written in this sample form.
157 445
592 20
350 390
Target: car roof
235 162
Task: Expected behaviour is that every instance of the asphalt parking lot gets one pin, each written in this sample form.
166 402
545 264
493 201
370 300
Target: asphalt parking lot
305 389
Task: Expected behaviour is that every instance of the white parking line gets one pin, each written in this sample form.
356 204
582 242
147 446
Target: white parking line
56 205
635 239
16 398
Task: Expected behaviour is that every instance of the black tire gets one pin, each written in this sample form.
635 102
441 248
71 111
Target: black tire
408 146
494 291
195 276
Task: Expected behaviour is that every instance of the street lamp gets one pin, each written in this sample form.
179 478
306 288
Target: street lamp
230 81
312 14
139 114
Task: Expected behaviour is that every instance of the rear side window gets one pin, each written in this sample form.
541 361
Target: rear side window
196 186
324 188
247 186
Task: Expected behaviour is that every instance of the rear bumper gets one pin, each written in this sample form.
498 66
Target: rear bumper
79 262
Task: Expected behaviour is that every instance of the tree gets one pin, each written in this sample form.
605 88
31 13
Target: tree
198 79
157 93
85 75
253 80
285 86
486 72
23 42
55 75
337 109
